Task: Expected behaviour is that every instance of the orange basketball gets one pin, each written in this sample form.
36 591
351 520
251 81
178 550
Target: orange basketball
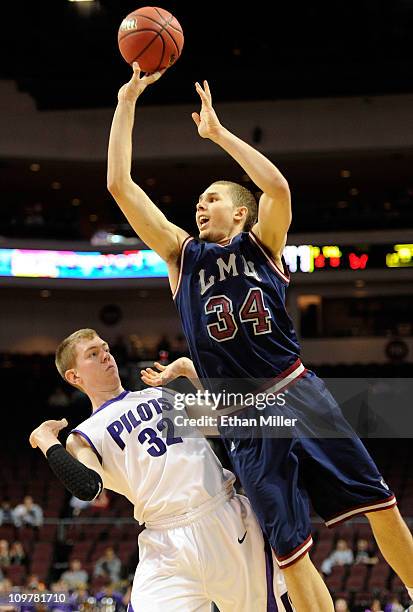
152 37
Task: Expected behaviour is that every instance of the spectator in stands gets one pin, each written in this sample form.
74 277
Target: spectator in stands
33 582
75 576
17 554
137 348
109 565
58 399
80 596
101 503
28 513
364 554
108 596
78 505
6 587
6 513
4 554
375 606
67 606
342 555
341 605
394 605
163 345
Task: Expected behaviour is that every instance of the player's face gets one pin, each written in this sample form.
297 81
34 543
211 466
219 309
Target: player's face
95 365
215 214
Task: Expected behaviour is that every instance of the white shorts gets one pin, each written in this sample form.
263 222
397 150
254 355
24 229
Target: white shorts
216 557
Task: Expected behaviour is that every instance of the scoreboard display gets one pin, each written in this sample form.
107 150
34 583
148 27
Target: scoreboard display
311 258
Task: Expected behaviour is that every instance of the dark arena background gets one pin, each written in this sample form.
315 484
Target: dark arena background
326 92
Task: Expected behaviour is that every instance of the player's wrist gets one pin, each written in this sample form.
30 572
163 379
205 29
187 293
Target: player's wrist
46 441
127 101
218 134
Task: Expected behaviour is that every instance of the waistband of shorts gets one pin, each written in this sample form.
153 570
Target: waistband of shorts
180 520
273 386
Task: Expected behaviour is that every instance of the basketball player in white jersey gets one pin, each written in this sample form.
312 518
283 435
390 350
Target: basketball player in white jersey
202 543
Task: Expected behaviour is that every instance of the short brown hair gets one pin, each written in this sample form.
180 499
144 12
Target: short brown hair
65 357
241 196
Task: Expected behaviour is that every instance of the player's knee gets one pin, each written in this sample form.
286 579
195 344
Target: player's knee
299 567
389 516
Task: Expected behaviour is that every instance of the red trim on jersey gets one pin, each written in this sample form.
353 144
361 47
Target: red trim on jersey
384 504
284 275
296 554
185 242
284 374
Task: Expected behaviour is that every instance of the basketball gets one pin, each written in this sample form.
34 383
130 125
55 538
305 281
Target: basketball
152 37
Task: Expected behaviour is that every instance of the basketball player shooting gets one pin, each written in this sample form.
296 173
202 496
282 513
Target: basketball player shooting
202 542
229 287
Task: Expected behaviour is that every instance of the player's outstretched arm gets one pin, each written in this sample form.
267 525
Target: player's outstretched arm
274 211
80 472
166 374
147 220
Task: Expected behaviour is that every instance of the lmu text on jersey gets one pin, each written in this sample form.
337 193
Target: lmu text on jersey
227 269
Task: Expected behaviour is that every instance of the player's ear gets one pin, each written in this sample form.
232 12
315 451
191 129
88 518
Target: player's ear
72 377
240 213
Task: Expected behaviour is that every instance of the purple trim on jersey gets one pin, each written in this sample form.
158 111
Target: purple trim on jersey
130 609
89 441
114 399
269 570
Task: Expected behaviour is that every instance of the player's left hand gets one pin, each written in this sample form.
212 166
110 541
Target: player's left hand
165 374
159 377
206 121
46 433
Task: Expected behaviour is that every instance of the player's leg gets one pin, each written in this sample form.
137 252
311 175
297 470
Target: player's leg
231 549
306 588
395 542
269 472
343 481
167 577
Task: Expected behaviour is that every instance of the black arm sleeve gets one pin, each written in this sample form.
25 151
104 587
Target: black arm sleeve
81 481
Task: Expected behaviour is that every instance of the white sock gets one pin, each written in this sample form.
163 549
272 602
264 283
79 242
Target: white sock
410 591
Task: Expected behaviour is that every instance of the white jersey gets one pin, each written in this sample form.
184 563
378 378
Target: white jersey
160 473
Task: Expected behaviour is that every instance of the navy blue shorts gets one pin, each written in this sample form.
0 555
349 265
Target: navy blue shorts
281 472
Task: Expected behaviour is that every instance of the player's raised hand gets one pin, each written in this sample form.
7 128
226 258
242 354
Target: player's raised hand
206 121
46 433
165 374
137 84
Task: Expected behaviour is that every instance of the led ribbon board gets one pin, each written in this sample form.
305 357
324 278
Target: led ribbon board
145 263
87 265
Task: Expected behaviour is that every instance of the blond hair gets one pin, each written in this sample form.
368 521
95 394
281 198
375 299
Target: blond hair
241 196
65 357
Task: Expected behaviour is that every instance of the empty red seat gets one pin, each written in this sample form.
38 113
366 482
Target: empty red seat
357 578
17 574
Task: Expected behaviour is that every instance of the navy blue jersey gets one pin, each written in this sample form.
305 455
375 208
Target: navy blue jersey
231 300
